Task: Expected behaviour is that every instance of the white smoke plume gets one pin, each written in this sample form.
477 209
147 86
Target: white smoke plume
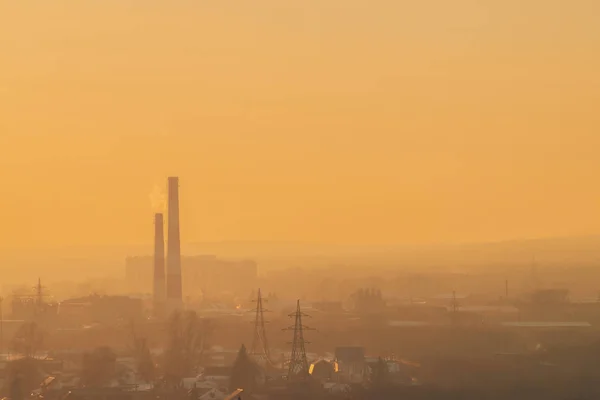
158 199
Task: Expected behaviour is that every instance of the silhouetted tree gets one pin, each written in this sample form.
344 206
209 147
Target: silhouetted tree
380 374
99 367
28 339
145 363
16 388
193 393
188 337
21 377
245 372
368 300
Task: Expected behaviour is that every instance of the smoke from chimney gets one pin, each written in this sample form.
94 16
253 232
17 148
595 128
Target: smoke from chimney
158 199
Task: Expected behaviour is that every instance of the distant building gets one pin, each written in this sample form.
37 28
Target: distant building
219 357
352 363
323 370
28 307
331 307
207 274
220 375
100 309
400 371
547 324
337 389
550 297
368 301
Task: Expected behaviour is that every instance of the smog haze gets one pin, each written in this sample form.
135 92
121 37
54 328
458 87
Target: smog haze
330 122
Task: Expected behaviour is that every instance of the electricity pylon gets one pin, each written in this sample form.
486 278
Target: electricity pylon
260 345
298 366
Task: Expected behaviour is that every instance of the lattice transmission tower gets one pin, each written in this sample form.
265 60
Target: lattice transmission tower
39 293
298 366
260 345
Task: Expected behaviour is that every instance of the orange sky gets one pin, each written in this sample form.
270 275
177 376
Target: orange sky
352 121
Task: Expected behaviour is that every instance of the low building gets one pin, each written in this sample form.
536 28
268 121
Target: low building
217 375
352 363
100 309
330 307
324 370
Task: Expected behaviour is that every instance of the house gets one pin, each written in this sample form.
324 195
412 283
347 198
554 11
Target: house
215 394
323 370
337 389
218 375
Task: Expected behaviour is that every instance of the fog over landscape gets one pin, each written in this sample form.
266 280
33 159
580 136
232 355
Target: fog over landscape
300 199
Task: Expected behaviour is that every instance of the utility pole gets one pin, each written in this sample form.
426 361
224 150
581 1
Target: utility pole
454 307
298 362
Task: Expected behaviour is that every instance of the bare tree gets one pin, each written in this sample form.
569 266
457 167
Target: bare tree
145 363
187 340
99 367
28 339
245 372
21 377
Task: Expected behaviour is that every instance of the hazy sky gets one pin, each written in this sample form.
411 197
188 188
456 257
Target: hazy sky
385 121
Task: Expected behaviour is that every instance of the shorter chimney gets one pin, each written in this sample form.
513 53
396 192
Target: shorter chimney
160 296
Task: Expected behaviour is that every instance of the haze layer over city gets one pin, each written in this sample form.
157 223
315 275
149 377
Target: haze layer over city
187 185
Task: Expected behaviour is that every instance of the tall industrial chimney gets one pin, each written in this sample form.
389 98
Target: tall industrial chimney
160 296
174 295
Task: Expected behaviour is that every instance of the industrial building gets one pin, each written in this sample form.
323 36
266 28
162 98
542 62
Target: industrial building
100 309
205 274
